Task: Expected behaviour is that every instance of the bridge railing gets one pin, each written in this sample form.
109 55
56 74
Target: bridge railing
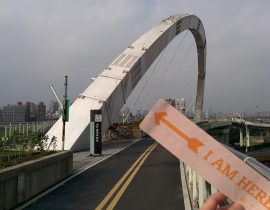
198 189
7 130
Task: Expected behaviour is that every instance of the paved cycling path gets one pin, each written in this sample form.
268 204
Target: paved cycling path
142 176
83 159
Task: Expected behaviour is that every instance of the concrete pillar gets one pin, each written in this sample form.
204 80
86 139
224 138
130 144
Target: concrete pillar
241 138
247 137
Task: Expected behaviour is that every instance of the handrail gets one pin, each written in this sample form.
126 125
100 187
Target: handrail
252 162
198 189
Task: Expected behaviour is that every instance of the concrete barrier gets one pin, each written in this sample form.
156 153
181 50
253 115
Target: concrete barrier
24 181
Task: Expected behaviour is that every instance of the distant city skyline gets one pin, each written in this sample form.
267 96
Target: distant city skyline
42 41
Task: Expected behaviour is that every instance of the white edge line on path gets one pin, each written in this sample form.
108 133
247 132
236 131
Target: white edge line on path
78 172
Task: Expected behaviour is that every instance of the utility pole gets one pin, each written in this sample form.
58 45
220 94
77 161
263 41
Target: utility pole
64 116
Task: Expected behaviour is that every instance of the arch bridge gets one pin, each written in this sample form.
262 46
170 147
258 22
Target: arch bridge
111 88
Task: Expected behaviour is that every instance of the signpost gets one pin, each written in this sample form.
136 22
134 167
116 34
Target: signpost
65 113
95 132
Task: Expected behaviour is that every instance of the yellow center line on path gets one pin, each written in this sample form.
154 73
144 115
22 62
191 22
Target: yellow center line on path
124 187
123 178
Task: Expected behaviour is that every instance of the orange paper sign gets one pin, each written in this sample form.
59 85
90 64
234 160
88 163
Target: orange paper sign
190 144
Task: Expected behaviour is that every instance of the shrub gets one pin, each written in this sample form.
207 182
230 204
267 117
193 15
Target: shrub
19 148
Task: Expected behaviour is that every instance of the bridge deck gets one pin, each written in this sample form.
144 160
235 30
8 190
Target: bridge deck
156 185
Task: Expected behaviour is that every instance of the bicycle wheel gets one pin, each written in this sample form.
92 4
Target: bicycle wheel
114 134
129 134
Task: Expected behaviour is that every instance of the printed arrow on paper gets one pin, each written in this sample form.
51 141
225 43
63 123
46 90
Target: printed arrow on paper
193 143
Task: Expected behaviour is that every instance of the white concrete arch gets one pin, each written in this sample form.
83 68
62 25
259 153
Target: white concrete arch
110 90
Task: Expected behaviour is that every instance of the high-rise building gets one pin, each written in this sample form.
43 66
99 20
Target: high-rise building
179 104
14 113
30 111
182 105
171 101
27 111
53 107
33 108
40 111
1 111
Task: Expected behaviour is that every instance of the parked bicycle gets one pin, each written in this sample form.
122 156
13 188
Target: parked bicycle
115 133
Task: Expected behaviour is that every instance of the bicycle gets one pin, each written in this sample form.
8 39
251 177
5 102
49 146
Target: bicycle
123 132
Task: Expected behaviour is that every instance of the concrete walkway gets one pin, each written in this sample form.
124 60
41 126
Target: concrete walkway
83 159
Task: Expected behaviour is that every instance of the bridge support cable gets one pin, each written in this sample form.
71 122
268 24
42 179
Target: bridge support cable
179 70
192 80
143 88
187 90
174 78
192 102
166 70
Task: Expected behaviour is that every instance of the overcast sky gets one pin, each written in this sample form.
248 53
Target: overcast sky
42 41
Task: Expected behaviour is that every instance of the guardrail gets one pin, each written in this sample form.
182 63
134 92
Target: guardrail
7 130
199 189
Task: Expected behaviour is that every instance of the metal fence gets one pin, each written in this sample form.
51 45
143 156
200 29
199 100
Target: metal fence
21 141
26 128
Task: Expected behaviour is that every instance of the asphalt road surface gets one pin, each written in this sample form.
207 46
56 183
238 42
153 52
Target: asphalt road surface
143 176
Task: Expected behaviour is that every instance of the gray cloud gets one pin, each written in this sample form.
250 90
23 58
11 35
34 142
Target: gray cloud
41 41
